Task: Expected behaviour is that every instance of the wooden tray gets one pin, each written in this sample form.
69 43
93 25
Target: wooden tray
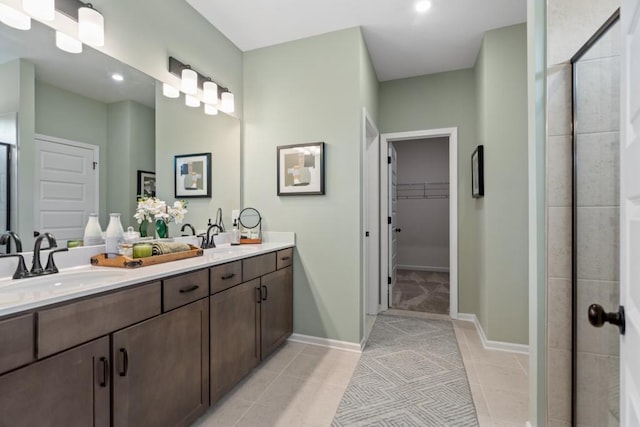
250 241
122 261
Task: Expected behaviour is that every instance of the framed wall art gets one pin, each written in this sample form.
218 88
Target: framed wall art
146 184
301 169
477 172
192 175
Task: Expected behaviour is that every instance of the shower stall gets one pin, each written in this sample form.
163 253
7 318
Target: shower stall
595 228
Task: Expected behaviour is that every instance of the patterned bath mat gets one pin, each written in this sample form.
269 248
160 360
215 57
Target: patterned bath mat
410 374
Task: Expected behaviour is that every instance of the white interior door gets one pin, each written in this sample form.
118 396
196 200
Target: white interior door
371 204
65 188
392 229
630 214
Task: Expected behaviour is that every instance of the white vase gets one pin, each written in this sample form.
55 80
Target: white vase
115 234
93 232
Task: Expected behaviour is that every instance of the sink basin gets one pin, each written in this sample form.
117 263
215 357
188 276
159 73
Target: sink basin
62 282
228 251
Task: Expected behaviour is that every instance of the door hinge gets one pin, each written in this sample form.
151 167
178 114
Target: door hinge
389 159
366 234
389 280
94 165
389 220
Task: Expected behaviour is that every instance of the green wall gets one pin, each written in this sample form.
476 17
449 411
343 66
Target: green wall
440 101
184 130
501 79
131 139
311 90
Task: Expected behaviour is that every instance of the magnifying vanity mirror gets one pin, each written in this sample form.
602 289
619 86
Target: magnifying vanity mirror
63 115
251 223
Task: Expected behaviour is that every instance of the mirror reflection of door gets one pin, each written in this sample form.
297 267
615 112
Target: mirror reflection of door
5 195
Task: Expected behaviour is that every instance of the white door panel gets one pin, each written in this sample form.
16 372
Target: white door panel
65 188
630 214
393 203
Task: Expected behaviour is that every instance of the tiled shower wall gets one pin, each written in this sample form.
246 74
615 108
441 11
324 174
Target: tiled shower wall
570 23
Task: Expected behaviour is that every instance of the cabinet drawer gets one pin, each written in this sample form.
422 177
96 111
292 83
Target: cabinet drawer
258 266
16 338
284 258
183 289
63 327
225 276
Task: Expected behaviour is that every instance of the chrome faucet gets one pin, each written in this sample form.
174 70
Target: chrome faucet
185 225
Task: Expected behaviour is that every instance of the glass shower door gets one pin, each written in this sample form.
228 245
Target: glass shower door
596 213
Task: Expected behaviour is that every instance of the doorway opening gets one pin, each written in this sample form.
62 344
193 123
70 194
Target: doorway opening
422 226
419 221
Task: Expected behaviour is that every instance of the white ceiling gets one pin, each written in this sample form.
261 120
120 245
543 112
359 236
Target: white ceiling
402 43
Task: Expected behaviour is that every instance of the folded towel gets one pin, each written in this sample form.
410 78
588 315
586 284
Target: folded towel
163 248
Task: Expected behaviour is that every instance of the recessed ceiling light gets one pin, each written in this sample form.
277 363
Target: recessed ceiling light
423 6
117 77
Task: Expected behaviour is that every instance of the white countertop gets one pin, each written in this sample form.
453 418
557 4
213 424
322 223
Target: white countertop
82 280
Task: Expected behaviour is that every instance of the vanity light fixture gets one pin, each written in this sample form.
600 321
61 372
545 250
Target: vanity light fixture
210 110
14 18
40 9
90 25
422 6
189 83
214 96
227 102
210 92
191 101
170 91
68 43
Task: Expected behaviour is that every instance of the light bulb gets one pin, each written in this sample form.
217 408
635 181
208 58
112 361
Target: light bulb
170 91
210 92
14 18
191 101
189 84
40 9
423 6
210 109
90 26
68 43
227 102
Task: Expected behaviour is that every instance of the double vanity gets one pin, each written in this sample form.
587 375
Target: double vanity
153 346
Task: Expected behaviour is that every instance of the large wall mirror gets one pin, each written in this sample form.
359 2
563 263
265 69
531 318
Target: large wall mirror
62 115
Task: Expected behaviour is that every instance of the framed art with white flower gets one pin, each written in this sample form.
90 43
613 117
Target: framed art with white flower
192 175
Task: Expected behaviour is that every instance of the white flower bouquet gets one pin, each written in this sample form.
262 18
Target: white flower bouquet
152 209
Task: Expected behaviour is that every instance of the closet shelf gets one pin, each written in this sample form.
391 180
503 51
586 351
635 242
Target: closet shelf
423 190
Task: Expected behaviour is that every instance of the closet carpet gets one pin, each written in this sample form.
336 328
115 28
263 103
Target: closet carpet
410 374
424 291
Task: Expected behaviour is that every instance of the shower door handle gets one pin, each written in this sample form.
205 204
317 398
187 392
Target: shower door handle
598 317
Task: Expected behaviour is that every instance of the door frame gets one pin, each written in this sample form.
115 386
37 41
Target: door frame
370 217
452 134
76 144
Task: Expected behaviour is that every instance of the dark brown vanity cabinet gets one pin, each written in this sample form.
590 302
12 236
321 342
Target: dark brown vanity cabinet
69 389
248 320
161 369
276 309
235 339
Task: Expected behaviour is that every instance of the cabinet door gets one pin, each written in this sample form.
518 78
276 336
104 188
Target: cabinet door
276 311
66 390
161 369
235 343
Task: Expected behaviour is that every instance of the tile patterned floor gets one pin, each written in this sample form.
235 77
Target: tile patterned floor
301 386
424 291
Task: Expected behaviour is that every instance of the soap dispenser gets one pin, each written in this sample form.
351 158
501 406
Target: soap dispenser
235 233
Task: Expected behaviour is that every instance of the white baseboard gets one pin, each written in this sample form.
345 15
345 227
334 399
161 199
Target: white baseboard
492 345
327 342
422 268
